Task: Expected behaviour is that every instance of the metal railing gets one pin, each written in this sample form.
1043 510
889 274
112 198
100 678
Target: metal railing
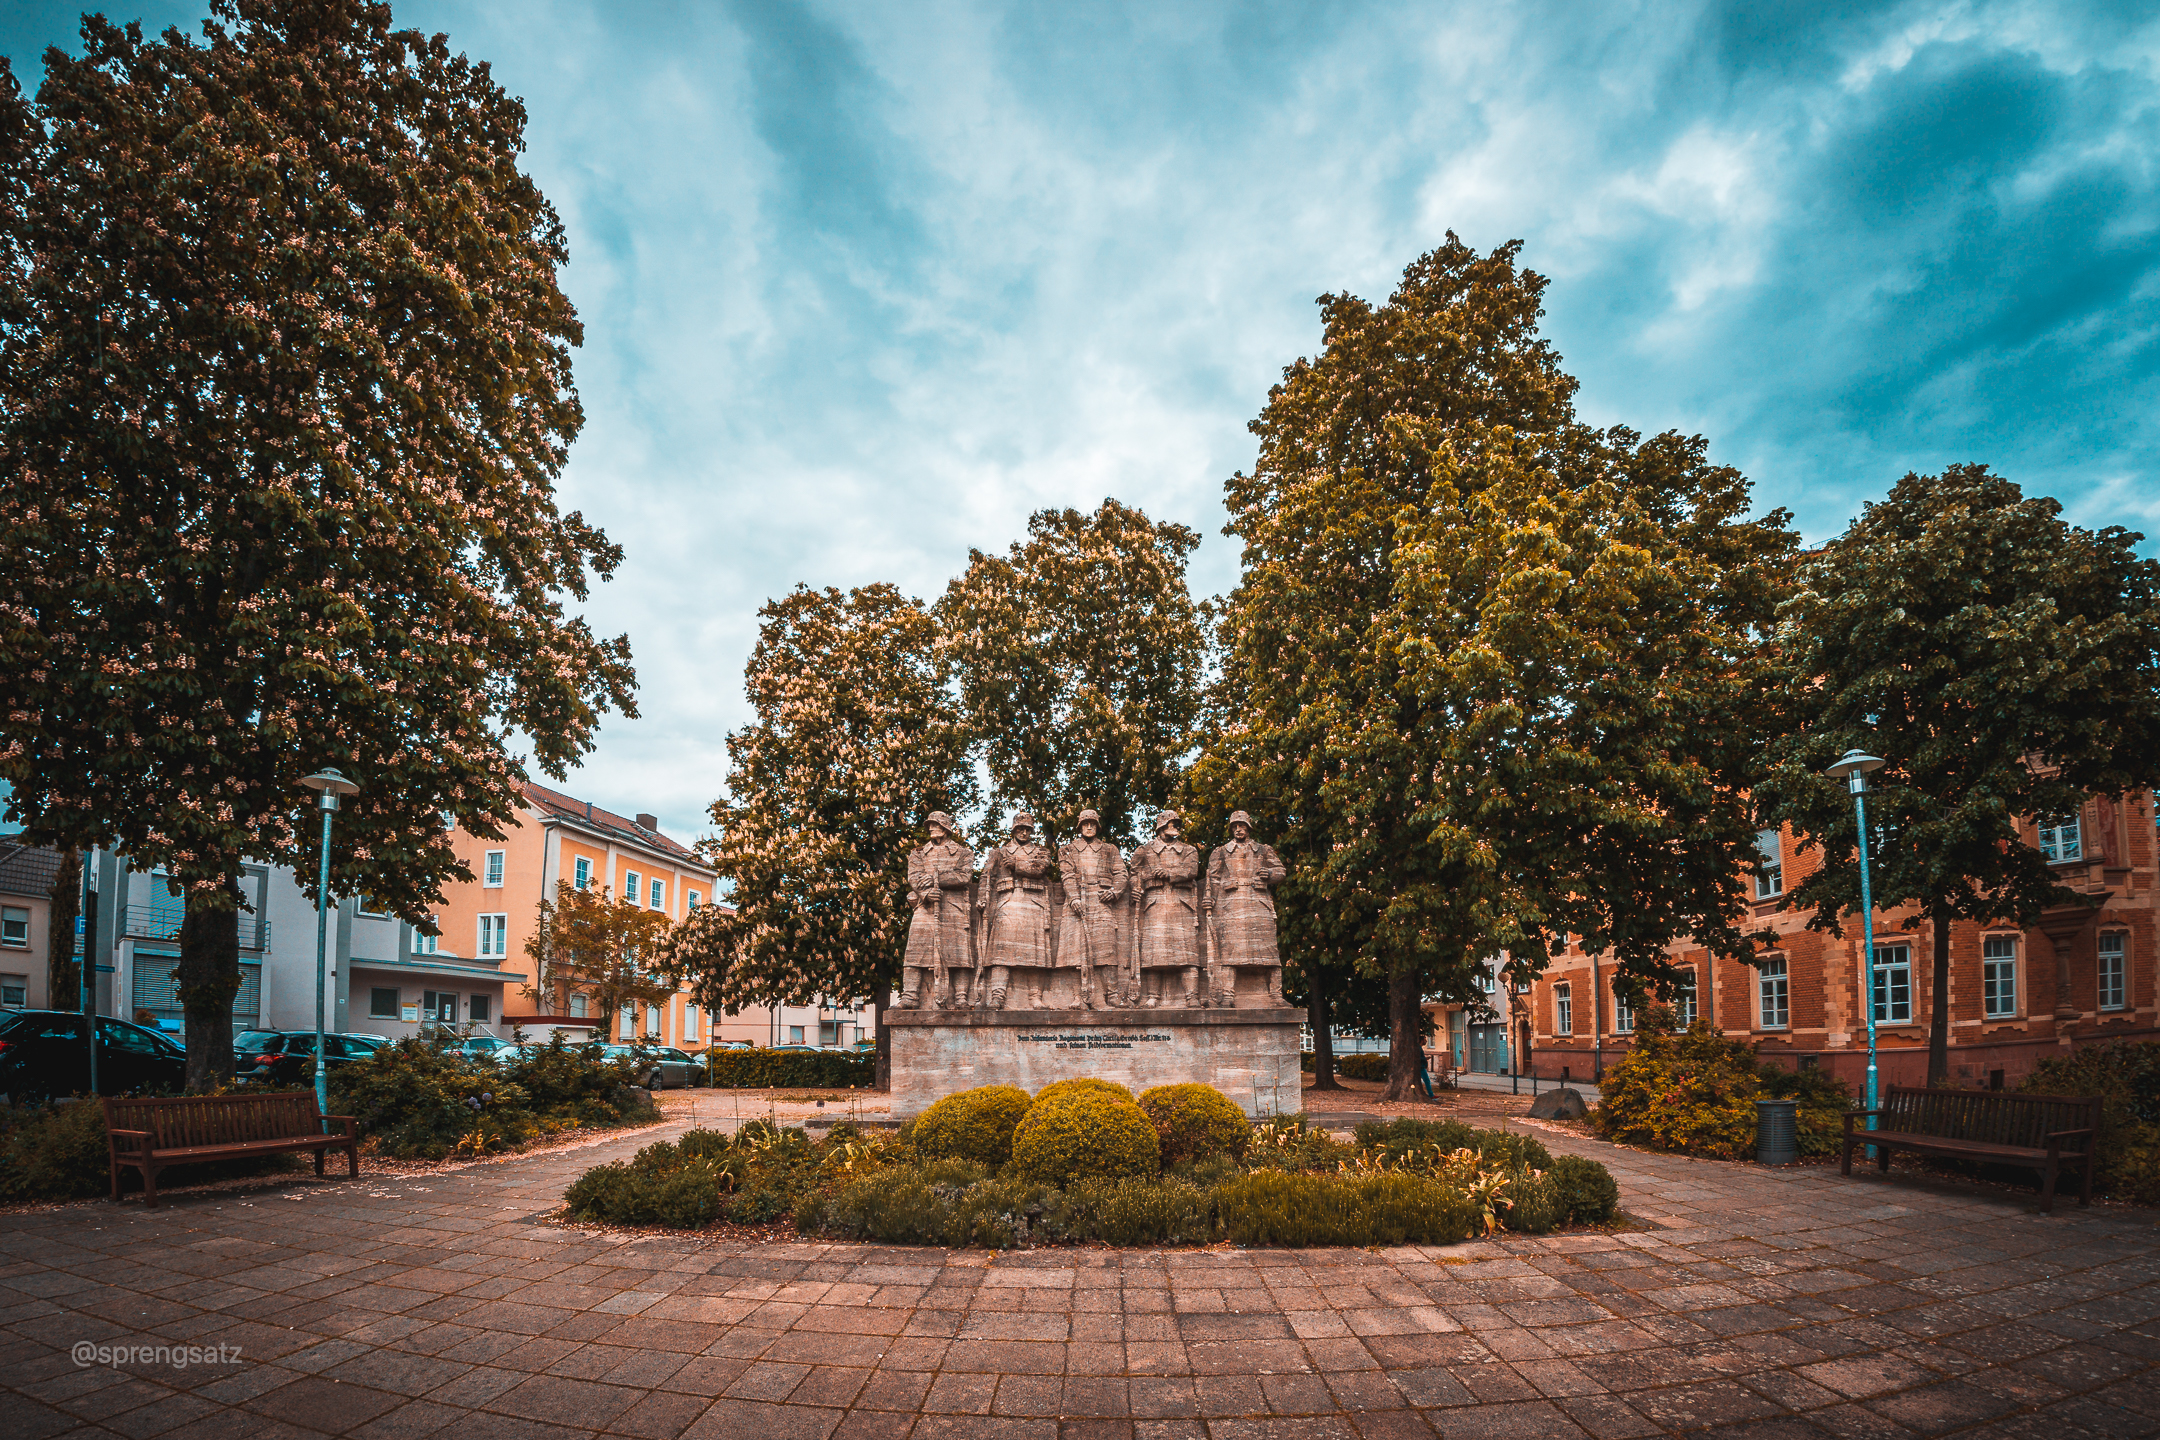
162 922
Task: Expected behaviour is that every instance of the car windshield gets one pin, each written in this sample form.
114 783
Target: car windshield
253 1039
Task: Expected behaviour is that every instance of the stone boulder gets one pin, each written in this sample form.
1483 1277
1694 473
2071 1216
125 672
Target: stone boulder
1561 1104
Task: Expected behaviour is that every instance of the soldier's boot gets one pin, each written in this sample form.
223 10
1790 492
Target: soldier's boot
908 1000
997 998
1106 989
1035 996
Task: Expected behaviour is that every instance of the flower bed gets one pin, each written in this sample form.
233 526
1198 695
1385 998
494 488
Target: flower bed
1086 1166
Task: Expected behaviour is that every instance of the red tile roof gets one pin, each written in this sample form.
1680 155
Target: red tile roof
555 803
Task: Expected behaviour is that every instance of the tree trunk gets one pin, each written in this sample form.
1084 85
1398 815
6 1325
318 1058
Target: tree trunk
63 981
1323 1038
1405 1034
1938 1000
209 978
882 1079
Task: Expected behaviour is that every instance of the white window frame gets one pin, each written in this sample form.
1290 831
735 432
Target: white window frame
579 1005
1893 973
14 992
794 1035
656 894
2111 978
1563 1000
691 899
581 874
491 870
654 1025
631 879
1623 1014
494 937
1770 877
1999 977
2062 839
626 1023
689 1022
1683 1000
427 944
15 927
1773 993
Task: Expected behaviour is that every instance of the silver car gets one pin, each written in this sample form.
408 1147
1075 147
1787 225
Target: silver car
660 1067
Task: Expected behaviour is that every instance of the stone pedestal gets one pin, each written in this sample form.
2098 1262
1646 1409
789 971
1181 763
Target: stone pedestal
1251 1055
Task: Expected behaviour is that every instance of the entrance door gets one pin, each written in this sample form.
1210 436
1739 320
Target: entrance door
1488 1049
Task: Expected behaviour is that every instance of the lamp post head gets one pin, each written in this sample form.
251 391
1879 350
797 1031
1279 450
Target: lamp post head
1853 767
331 784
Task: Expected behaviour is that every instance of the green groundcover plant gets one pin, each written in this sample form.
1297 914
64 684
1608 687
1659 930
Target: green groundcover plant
1081 1169
2125 1074
1694 1091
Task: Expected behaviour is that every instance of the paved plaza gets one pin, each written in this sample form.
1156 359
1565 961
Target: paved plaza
1750 1302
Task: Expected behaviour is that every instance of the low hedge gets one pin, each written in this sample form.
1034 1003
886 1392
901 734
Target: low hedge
1358 1065
1404 1137
58 1152
1192 1121
418 1100
1277 1208
775 1069
973 1125
1085 1134
2125 1074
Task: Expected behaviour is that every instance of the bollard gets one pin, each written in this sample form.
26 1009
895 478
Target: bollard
1777 1132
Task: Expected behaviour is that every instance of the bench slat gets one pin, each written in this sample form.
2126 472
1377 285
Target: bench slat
1985 1125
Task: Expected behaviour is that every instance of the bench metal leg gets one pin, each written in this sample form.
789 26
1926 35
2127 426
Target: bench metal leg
2047 1187
1882 1158
318 1157
352 1162
149 1185
1848 1156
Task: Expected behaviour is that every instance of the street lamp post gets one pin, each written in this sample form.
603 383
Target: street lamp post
329 785
1853 767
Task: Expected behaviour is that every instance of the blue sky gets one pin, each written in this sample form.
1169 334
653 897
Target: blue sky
865 284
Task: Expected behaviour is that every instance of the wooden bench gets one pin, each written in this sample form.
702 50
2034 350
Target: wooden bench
152 1133
2045 1133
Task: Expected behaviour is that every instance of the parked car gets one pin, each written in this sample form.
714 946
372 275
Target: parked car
287 1057
661 1067
44 1053
486 1048
371 1043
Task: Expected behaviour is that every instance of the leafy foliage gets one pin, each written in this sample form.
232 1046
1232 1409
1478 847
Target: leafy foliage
768 1069
972 1125
855 742
1084 1134
1693 1092
283 398
587 942
1393 1208
1079 657
1192 1121
2125 1074
1489 677
2004 663
59 1153
418 1100
1084 1085
1405 1137
1586 1188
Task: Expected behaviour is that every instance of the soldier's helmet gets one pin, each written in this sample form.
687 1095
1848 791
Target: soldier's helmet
1084 816
1239 817
942 820
1167 818
1023 821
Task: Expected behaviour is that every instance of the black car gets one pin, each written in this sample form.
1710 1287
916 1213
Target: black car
286 1057
47 1052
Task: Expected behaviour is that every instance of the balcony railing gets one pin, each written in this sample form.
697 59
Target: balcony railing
162 922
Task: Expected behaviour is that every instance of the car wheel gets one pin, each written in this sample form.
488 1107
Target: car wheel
652 1080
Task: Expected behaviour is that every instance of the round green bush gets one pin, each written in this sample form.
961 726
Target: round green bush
1591 1194
1195 1120
972 1125
1085 1134
1085 1085
1536 1206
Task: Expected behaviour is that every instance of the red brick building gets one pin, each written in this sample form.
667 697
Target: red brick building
2016 995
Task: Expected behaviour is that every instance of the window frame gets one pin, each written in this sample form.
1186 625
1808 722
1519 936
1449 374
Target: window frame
581 873
491 870
15 915
631 881
18 983
2051 832
498 926
1623 1014
656 893
1687 989
1769 877
479 1009
691 899
1991 986
1882 995
1778 981
2120 971
375 994
1563 996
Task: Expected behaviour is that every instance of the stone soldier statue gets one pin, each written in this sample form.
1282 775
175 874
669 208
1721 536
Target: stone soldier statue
938 876
1015 897
1088 933
1242 877
1165 877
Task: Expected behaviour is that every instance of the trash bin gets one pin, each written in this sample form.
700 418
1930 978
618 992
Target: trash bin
1777 1132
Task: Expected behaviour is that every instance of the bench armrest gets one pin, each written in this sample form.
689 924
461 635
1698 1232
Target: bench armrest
131 1134
2054 1135
1852 1115
351 1125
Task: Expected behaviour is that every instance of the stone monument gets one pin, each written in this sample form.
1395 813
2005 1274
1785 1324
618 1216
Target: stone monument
1094 967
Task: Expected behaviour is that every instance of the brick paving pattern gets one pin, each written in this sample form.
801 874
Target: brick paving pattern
1767 1303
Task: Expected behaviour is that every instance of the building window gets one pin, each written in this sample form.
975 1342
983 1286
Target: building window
480 1008
14 991
15 927
492 875
1893 984
2060 839
426 944
1563 1008
2114 993
652 1019
794 1034
658 895
626 1023
1776 990
690 898
494 936
630 886
1683 1000
1998 976
369 905
1623 1013
1770 867
1484 980
577 1006
583 871
382 1003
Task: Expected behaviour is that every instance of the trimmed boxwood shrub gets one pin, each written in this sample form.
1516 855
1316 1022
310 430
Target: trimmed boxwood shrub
1591 1194
2125 1074
972 1125
1084 1085
773 1069
1085 1134
1192 1121
1273 1207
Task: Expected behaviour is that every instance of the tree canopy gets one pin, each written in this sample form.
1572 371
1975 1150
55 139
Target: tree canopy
612 950
2006 666
284 392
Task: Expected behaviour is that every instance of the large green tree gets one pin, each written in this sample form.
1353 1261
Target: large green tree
856 740
613 951
283 400
2006 666
1080 657
1489 673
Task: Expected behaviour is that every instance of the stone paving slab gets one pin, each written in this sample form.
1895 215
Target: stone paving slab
1770 1303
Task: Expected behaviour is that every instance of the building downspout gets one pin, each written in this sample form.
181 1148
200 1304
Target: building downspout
1597 1025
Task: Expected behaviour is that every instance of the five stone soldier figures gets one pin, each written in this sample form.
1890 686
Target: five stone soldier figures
1094 874
1016 898
1242 877
1165 873
939 874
